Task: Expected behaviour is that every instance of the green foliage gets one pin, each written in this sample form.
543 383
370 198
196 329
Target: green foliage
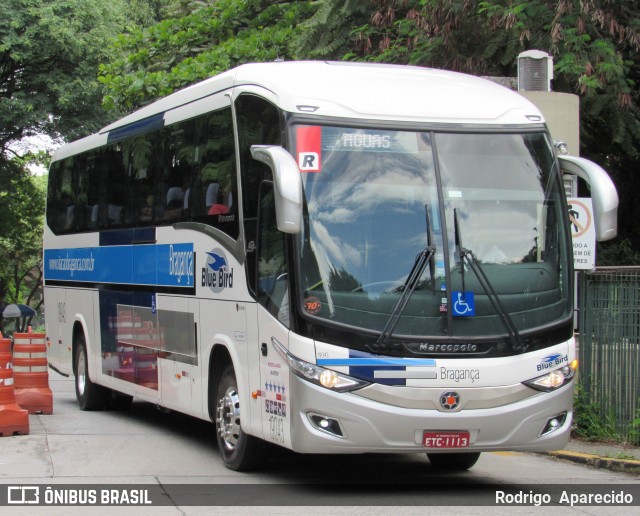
176 52
22 199
49 53
142 13
327 34
35 158
634 430
587 38
180 8
588 422
619 251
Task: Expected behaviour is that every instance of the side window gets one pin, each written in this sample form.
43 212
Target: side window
273 290
115 196
62 198
88 186
175 173
73 198
54 198
100 164
258 124
184 172
140 156
213 192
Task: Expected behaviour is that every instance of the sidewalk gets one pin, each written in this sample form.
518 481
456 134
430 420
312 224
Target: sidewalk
611 456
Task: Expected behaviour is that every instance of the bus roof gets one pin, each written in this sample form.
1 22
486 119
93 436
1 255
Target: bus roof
357 91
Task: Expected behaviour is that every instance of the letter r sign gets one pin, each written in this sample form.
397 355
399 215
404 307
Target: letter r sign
309 147
308 162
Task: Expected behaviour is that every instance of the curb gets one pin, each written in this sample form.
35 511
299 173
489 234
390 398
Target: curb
596 461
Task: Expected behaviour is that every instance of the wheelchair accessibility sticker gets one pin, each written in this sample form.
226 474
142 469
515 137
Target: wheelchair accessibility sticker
463 304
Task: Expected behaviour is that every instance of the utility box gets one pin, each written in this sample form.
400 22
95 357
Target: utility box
535 71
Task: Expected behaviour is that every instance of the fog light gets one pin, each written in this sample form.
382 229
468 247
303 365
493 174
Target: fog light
553 423
326 424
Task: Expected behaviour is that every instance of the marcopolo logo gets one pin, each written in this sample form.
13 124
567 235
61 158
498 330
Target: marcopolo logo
552 361
216 274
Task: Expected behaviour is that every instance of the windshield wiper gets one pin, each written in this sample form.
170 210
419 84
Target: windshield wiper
474 264
422 259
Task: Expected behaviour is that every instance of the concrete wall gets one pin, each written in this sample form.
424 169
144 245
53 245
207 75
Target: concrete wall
562 114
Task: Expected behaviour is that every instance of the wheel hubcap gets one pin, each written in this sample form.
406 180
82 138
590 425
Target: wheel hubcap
228 418
81 373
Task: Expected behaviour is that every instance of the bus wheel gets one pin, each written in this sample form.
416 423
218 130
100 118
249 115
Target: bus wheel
453 461
89 395
238 450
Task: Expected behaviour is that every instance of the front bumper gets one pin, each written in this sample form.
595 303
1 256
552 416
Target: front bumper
371 426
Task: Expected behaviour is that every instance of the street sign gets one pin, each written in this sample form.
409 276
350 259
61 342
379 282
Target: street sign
583 233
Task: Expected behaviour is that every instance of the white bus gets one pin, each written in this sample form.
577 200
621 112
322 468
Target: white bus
331 257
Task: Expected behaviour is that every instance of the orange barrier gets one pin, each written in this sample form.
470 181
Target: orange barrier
13 419
31 374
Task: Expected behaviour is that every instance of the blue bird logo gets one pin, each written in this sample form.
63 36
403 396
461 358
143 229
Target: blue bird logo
551 358
218 262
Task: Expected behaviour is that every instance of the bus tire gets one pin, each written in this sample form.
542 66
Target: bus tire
239 451
453 461
89 395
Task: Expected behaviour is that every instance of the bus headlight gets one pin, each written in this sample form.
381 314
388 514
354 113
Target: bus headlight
313 373
554 379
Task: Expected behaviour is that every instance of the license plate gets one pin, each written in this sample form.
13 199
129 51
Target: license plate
445 439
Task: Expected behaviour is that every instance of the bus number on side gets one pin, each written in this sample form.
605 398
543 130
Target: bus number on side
276 426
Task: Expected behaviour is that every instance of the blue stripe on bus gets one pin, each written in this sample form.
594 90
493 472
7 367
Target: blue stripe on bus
169 265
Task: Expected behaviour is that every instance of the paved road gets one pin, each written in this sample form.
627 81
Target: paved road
168 451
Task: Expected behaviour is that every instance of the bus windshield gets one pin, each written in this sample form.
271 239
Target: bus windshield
373 198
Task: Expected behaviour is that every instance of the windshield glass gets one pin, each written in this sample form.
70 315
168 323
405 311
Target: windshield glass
372 198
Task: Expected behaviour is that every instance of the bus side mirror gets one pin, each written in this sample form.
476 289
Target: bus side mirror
604 195
287 185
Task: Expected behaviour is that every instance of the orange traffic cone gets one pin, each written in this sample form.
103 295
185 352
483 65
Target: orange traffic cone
13 419
31 373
